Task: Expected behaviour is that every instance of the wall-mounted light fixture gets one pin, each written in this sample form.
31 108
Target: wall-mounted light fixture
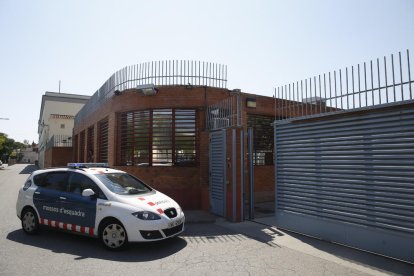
250 102
147 89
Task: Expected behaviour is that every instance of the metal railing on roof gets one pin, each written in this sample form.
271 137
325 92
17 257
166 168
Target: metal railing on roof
59 141
224 114
159 73
362 86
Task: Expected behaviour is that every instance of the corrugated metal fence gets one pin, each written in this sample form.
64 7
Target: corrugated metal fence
349 179
347 176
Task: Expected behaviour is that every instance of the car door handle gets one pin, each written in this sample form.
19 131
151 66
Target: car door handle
38 193
62 197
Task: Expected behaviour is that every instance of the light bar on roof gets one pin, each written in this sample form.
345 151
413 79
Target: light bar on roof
88 165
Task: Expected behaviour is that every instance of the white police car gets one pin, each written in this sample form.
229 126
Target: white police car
98 201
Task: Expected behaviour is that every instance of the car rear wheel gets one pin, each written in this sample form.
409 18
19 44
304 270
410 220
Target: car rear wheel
30 222
113 235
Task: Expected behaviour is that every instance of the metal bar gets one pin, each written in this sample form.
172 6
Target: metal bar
324 88
372 85
353 88
278 102
340 84
365 81
409 74
379 81
386 78
310 96
330 90
347 90
242 170
234 178
359 85
320 95
306 97
316 95
251 172
301 93
285 101
336 100
275 164
297 108
401 75
393 76
289 102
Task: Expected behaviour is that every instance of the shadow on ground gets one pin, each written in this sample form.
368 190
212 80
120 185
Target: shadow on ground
352 255
29 169
85 247
363 258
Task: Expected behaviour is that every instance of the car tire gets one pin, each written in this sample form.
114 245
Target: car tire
30 221
113 235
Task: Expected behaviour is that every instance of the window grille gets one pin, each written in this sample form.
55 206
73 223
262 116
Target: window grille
75 147
90 144
82 146
159 137
185 137
262 139
103 141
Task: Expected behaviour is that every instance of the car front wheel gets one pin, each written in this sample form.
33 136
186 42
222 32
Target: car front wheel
30 222
113 235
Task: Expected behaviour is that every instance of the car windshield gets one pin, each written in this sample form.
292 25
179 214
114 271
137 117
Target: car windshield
123 183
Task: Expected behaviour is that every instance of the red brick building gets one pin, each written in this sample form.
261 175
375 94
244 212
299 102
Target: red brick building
162 134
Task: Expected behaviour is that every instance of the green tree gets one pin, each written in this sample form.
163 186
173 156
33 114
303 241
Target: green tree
8 145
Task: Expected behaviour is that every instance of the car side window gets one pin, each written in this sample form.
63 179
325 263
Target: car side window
39 179
54 180
79 182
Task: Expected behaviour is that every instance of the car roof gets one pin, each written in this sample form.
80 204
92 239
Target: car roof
91 170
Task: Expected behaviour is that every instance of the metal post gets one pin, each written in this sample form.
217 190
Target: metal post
251 172
242 174
401 75
275 162
409 74
234 177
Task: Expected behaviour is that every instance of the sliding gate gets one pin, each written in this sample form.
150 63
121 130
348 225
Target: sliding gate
349 178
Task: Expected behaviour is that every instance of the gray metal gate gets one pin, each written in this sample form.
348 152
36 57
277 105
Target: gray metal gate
217 165
349 178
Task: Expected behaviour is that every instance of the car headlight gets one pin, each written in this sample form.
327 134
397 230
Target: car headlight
146 215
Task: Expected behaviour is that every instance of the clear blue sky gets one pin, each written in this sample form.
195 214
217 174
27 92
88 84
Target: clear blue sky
264 43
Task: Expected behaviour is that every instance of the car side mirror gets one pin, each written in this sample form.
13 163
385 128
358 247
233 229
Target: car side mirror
88 192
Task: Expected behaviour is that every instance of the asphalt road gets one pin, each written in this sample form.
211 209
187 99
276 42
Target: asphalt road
204 249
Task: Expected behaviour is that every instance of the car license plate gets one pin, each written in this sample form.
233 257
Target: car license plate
174 223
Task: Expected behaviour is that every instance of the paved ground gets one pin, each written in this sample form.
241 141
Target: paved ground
219 248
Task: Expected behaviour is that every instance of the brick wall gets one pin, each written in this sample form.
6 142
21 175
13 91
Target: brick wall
188 185
58 156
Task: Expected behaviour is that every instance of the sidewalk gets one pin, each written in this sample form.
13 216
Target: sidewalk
264 230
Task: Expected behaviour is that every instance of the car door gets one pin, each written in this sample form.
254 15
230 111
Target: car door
80 210
47 197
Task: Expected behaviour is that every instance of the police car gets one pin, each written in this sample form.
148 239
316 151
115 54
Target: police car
95 200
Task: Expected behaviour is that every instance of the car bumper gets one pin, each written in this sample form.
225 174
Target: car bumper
145 231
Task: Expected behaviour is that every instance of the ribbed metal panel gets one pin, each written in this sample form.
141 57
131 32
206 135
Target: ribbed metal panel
218 172
339 177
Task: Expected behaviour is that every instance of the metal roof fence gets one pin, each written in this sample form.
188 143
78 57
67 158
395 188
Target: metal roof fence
159 73
384 81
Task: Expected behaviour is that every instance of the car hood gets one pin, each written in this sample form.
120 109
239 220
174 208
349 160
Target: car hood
156 202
